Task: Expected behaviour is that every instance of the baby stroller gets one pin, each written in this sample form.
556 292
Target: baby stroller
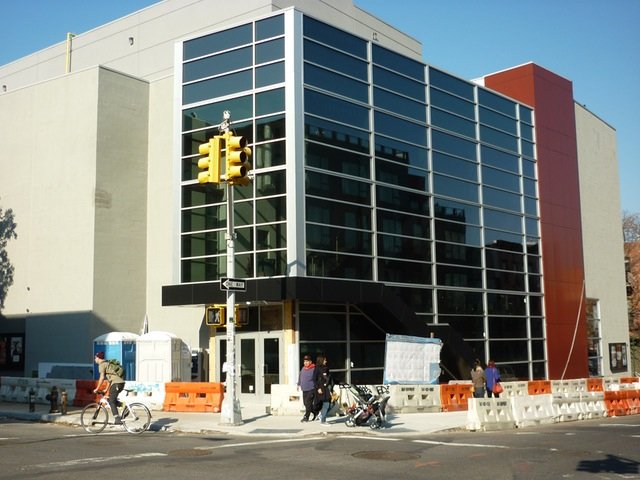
366 409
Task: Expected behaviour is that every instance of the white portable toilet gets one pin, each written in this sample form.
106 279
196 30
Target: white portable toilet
161 358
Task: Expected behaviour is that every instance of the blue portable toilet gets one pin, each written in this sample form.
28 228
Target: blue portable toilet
119 346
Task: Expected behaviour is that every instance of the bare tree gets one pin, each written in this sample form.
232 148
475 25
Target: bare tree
631 233
7 232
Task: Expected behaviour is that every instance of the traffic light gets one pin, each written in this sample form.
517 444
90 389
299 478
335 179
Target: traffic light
215 316
211 162
237 158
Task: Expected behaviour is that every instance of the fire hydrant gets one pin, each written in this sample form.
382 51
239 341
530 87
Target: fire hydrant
53 400
63 401
32 400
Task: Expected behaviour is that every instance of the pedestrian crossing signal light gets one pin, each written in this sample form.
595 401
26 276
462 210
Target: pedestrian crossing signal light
237 160
215 316
210 163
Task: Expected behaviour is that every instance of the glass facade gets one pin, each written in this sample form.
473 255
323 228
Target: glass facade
412 177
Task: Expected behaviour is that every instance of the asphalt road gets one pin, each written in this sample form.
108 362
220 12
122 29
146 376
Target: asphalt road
602 449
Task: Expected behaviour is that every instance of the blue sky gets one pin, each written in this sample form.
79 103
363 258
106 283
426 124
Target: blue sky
594 43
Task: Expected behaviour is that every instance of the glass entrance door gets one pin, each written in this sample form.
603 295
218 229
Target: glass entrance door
259 357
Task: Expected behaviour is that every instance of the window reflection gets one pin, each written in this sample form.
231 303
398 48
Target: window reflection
404 272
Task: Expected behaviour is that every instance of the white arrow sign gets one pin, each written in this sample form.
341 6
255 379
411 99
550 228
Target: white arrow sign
234 284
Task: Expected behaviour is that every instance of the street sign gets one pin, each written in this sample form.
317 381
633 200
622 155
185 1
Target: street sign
233 284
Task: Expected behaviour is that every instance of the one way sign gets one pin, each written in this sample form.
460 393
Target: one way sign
233 284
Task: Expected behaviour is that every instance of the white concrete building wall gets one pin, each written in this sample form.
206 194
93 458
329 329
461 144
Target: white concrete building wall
602 226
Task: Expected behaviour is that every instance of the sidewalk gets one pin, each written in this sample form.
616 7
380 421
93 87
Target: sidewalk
256 421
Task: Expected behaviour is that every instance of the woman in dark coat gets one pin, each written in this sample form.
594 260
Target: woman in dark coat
324 385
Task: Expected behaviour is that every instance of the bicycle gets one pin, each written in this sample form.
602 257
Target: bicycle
136 417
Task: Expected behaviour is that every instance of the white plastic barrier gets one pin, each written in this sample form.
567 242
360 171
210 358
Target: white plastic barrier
429 399
515 389
16 389
286 400
413 398
592 405
566 407
532 410
490 414
569 386
148 393
45 385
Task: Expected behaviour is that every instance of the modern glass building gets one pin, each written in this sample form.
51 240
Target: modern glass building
387 196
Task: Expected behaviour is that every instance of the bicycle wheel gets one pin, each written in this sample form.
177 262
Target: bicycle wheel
94 418
136 418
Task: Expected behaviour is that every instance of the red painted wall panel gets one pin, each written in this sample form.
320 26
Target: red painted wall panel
551 96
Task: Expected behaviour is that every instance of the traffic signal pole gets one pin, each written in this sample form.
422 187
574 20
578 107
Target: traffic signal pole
231 414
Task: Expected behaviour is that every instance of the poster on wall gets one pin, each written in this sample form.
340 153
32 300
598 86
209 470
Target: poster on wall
11 351
411 360
618 357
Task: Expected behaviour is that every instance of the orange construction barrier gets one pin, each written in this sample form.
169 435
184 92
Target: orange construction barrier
633 401
629 379
595 385
454 397
616 403
193 397
84 393
539 387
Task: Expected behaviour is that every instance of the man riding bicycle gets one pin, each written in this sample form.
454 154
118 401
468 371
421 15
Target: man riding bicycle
116 385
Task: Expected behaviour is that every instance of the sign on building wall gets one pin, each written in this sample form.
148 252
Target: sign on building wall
411 360
618 357
11 351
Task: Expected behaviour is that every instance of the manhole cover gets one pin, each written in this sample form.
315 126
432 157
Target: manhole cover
188 452
387 456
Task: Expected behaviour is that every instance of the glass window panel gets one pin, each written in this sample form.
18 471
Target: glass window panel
531 226
270 128
526 114
337 160
535 306
500 179
402 200
335 265
322 237
498 280
503 240
451 84
526 132
323 326
505 327
401 152
533 246
271 236
530 206
502 220
330 58
269 74
271 210
537 350
271 263
368 355
397 83
528 149
402 224
334 108
537 327
452 276
500 159
533 264
458 233
204 243
204 218
334 82
401 175
269 27
535 283
270 183
498 138
453 123
505 304
509 350
453 166
403 272
203 269
217 64
269 154
216 42
398 63
497 102
243 213
459 302
454 145
334 37
404 248
217 87
269 51
340 214
244 266
244 239
420 298
212 114
270 101
528 168
496 120
399 105
361 328
504 260
501 199
457 211
452 103
337 188
335 134
196 195
467 327
451 187
399 128
458 254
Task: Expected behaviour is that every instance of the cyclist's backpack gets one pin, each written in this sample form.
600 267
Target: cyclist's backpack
115 368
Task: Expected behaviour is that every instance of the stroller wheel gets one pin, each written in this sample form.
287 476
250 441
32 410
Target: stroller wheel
375 423
350 422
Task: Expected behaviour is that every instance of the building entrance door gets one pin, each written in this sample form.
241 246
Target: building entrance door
259 363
